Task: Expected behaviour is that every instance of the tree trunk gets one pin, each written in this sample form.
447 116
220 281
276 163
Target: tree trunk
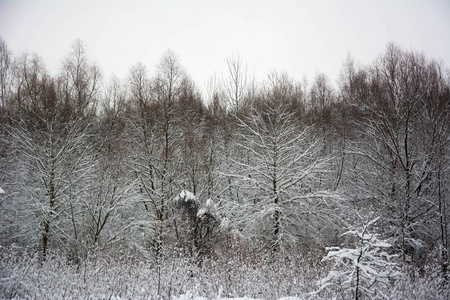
277 217
45 234
443 223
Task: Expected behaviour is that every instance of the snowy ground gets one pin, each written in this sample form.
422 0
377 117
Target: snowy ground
106 278
190 297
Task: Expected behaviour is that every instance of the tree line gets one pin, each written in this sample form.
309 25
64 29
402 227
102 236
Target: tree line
148 167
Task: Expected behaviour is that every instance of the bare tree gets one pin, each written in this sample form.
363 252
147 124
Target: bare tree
29 72
321 97
284 89
167 91
79 81
236 82
215 96
6 67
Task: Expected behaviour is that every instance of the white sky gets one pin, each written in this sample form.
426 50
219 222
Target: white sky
302 38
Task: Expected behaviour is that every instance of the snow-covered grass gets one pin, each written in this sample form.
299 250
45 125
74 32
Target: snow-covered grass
104 277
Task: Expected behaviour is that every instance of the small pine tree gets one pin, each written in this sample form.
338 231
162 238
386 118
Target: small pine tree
361 272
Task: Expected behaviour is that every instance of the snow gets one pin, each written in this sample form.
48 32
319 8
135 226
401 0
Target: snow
1 191
188 296
186 196
201 213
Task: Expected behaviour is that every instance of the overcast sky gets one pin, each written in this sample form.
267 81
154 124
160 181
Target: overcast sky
302 38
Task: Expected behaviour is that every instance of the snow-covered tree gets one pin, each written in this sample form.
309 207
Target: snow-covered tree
52 139
155 135
363 271
56 176
278 164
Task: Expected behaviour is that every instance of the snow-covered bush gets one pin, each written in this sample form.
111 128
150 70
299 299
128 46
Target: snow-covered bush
200 225
417 283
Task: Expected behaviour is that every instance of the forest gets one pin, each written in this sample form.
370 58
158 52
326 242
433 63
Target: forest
149 188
